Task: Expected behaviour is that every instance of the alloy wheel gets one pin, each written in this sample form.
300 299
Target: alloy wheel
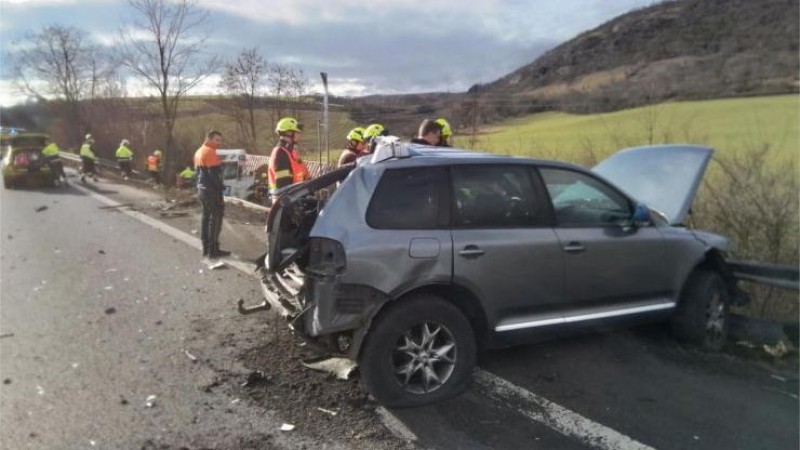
424 358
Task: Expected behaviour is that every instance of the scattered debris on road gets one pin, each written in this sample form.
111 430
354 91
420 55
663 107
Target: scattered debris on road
6 335
39 390
111 310
327 411
171 214
254 378
7 381
41 208
287 427
10 237
102 252
150 401
191 357
778 350
214 265
339 367
121 205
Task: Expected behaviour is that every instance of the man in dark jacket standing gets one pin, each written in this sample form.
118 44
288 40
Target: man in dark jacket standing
430 133
210 190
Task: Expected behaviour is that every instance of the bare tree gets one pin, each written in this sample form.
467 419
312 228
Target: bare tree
62 63
162 45
243 80
279 86
298 87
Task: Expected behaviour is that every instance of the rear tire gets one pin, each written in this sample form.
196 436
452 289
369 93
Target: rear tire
702 315
419 350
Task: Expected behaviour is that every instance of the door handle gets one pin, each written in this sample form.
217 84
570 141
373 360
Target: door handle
574 247
471 251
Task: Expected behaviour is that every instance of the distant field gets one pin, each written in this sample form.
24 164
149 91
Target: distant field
727 125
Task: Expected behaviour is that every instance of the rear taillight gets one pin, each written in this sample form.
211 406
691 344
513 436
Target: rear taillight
22 160
327 257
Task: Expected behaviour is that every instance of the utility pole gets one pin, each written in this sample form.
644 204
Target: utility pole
473 140
325 121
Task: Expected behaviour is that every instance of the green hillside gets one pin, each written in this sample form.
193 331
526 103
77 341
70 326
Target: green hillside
727 125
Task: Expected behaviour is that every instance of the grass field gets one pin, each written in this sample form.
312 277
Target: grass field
727 125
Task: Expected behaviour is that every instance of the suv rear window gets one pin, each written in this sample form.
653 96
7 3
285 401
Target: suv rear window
409 199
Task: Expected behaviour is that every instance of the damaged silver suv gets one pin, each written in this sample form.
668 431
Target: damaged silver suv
424 256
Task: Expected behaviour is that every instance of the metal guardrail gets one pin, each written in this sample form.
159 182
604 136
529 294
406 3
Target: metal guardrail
776 275
104 164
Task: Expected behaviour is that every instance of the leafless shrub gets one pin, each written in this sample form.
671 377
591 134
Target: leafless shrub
752 198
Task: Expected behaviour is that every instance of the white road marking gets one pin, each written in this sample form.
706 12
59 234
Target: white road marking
532 406
554 416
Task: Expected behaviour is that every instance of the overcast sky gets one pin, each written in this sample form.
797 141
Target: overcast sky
366 46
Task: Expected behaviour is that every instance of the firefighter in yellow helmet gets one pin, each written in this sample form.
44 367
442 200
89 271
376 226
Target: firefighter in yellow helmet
446 134
371 133
356 147
286 166
53 159
88 159
124 156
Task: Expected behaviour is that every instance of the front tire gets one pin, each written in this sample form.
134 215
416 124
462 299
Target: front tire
419 351
702 315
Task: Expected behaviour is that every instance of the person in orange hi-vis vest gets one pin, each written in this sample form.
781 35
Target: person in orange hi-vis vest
210 191
154 167
286 167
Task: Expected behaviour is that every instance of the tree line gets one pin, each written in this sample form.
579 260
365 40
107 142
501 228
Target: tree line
161 46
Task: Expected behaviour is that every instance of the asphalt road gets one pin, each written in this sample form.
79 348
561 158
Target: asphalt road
102 308
77 373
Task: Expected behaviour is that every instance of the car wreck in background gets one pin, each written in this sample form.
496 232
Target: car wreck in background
424 256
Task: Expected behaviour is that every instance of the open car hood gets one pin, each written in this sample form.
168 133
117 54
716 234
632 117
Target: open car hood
663 177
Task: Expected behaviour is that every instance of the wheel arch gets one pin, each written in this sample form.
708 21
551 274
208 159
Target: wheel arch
461 297
713 259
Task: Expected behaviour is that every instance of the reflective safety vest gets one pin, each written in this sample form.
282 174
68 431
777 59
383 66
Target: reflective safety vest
187 173
86 152
153 162
50 150
298 171
124 153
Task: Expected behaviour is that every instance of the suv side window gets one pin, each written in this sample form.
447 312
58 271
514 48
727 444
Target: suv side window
493 196
409 199
580 200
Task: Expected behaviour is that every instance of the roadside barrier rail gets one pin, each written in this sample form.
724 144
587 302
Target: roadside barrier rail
776 275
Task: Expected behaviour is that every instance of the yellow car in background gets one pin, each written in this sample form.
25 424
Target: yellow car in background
23 162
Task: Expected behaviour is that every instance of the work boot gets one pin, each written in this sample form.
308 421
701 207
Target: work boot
219 253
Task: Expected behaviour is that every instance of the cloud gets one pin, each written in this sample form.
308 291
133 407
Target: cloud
303 12
366 46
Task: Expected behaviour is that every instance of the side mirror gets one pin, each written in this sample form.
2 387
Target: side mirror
641 216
